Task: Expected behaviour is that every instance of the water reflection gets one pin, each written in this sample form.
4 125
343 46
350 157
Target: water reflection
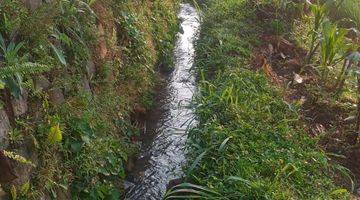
163 154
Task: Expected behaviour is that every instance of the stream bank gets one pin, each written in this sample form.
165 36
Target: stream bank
82 68
249 143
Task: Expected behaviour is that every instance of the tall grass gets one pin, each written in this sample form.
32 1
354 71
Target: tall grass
248 144
349 9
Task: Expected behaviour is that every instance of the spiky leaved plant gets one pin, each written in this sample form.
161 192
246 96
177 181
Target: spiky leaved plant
320 11
333 45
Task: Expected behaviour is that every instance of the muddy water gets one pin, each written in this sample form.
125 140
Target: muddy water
163 145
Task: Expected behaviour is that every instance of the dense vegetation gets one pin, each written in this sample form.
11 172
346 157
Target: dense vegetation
81 68
269 72
278 100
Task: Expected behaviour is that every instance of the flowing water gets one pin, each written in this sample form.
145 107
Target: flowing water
163 146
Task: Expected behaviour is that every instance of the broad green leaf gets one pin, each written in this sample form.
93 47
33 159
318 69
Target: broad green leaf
2 84
55 134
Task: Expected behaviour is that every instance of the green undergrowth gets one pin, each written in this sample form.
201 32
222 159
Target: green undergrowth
249 143
82 143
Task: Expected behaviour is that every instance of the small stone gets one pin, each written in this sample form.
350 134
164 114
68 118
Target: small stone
42 83
56 96
20 105
4 128
298 79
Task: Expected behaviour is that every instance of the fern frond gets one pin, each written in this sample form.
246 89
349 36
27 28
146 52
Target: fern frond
23 69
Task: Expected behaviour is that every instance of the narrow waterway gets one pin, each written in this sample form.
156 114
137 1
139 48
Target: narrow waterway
163 146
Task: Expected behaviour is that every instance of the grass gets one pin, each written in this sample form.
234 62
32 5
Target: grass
349 9
249 143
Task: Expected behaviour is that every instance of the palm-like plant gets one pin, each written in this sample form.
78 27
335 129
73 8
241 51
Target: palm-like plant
320 11
333 46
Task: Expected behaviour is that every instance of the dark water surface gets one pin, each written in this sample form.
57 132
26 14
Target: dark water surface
163 148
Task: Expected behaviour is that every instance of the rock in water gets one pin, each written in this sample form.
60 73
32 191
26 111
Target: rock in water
128 185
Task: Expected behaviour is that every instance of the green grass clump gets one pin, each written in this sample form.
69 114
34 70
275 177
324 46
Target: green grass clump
248 144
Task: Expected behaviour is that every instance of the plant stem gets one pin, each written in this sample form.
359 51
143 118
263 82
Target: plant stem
340 83
312 49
